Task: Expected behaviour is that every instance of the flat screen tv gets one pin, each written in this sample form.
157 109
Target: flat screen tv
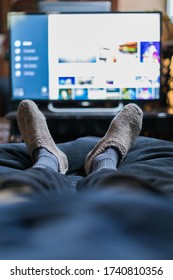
77 58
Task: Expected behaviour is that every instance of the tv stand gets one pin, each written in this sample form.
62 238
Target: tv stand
64 127
86 110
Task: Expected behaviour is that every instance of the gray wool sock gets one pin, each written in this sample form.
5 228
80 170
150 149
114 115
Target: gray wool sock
35 133
120 135
44 159
108 159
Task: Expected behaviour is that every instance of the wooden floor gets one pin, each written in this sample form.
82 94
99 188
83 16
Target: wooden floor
4 130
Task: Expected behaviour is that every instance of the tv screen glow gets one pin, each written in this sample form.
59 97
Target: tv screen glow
85 56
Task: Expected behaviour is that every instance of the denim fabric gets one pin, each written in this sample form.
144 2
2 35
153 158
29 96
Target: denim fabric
124 214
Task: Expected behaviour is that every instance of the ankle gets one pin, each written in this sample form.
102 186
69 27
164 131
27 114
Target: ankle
107 160
44 159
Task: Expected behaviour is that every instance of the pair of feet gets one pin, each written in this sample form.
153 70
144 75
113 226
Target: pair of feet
120 135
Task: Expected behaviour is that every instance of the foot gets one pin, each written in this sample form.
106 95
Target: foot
120 135
35 133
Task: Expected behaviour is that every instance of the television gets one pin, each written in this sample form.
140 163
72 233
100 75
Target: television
85 59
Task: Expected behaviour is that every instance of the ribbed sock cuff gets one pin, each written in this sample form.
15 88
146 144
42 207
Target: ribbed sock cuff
108 159
45 159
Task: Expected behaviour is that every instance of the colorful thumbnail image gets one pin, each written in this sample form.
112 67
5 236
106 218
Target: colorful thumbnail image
65 94
113 93
96 94
128 48
66 80
81 94
143 80
144 93
106 55
150 52
77 55
156 92
129 93
85 80
109 82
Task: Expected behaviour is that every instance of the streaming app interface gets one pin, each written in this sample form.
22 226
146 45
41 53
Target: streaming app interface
85 56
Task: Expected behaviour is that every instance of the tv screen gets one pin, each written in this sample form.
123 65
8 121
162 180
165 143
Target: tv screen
75 57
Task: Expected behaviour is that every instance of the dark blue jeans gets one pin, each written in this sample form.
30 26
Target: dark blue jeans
111 216
106 215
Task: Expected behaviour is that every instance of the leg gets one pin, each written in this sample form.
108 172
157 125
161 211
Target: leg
48 159
35 133
104 158
25 185
120 136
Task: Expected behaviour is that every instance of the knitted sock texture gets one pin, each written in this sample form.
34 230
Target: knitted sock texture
44 159
108 159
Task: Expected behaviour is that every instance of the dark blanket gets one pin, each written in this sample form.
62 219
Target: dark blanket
105 224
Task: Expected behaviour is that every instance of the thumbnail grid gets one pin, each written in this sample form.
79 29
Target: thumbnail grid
86 88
